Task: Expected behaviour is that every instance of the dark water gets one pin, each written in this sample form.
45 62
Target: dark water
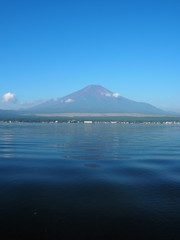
99 181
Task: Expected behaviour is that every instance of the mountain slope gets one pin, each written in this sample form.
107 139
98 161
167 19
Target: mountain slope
94 99
6 114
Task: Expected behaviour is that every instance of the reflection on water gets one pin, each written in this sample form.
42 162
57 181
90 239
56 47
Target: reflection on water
102 181
92 165
6 139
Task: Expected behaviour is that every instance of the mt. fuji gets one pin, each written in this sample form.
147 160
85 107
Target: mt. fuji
94 99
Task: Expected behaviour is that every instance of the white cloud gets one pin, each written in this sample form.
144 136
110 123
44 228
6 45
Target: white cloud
116 95
10 105
69 100
9 98
108 95
30 103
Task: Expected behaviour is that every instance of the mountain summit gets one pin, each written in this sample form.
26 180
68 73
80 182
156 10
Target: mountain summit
95 99
90 92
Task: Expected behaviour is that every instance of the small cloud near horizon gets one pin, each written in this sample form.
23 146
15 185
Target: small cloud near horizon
9 98
9 101
69 100
116 95
108 95
31 103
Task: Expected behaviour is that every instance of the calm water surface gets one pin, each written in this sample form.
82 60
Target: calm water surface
97 181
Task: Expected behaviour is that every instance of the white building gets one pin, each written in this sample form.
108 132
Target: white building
87 122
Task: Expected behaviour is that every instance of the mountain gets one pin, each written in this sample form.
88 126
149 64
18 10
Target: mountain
6 114
94 99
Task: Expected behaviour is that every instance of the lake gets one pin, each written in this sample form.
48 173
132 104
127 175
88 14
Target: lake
89 181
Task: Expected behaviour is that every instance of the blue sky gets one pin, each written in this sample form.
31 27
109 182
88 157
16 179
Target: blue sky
50 48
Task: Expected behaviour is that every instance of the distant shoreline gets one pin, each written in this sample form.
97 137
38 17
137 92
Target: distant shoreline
92 118
97 115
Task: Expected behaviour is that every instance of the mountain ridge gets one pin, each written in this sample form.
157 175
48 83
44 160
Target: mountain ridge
94 99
